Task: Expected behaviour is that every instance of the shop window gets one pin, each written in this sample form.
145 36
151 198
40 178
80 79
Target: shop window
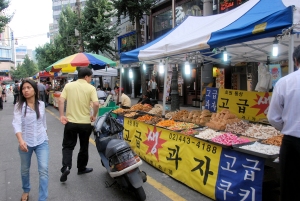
127 42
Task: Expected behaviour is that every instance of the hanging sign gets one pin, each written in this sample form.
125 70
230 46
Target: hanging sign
275 71
249 105
211 99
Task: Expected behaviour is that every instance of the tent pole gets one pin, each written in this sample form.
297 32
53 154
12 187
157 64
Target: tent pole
120 86
201 87
173 13
165 87
291 50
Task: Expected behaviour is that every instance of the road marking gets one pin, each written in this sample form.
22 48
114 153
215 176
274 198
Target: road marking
164 190
53 114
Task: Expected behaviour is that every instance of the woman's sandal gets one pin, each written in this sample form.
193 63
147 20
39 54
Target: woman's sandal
24 197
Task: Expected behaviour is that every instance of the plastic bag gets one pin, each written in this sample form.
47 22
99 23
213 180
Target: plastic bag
115 126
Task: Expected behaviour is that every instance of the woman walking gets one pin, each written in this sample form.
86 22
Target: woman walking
30 127
4 92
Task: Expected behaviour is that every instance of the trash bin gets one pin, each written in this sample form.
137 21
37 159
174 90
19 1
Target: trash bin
196 102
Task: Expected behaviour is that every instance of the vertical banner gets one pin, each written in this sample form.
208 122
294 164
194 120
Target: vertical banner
247 169
249 105
211 99
275 71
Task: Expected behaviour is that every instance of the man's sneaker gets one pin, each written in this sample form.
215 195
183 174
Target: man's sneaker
64 175
86 170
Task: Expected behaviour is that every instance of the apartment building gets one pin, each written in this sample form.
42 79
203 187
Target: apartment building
57 6
7 53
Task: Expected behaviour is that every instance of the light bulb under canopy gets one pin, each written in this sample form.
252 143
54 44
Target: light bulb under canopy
161 67
187 68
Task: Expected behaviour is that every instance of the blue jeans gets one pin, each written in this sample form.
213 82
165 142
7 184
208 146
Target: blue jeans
42 154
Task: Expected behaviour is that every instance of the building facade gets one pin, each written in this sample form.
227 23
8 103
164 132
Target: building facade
57 6
7 53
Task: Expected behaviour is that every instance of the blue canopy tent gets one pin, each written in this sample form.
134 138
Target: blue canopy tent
255 19
254 25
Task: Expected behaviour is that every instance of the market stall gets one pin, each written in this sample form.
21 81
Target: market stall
221 151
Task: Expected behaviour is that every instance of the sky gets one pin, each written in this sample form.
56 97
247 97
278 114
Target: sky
30 23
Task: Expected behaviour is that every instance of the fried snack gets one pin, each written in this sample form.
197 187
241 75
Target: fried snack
165 123
275 140
131 114
118 111
144 118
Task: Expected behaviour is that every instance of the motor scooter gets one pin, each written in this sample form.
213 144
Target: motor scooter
120 161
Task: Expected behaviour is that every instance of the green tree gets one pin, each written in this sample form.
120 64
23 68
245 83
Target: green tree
96 28
29 66
49 54
135 10
17 73
64 44
27 69
4 18
68 22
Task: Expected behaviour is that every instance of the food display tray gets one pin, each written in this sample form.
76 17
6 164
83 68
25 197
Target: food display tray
262 155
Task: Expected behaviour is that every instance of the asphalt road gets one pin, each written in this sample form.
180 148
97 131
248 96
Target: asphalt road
87 187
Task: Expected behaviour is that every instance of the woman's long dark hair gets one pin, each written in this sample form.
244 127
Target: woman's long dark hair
22 99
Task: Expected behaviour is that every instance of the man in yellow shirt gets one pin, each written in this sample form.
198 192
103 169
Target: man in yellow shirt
77 121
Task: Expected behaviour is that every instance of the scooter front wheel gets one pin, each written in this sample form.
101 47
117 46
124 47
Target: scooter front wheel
140 193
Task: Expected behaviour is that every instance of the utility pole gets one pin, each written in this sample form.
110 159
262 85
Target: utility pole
80 41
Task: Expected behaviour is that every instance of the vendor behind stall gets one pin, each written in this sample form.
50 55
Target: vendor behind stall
145 99
125 101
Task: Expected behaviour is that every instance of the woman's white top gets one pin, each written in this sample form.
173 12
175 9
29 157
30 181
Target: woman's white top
34 131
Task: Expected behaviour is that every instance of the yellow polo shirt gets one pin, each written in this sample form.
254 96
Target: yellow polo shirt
125 100
78 95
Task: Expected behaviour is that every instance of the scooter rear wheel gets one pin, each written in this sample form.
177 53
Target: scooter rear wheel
140 193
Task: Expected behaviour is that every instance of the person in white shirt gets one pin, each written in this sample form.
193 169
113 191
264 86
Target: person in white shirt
29 123
284 115
101 94
152 85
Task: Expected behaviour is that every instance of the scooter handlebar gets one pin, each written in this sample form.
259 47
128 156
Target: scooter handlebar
100 121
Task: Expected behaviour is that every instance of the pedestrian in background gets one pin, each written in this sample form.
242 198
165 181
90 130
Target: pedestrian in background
16 92
283 114
3 92
152 85
1 101
77 121
29 123
42 92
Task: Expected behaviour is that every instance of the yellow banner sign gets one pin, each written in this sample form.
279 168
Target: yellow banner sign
187 159
249 105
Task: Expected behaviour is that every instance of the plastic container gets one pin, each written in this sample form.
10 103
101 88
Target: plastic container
111 104
102 110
